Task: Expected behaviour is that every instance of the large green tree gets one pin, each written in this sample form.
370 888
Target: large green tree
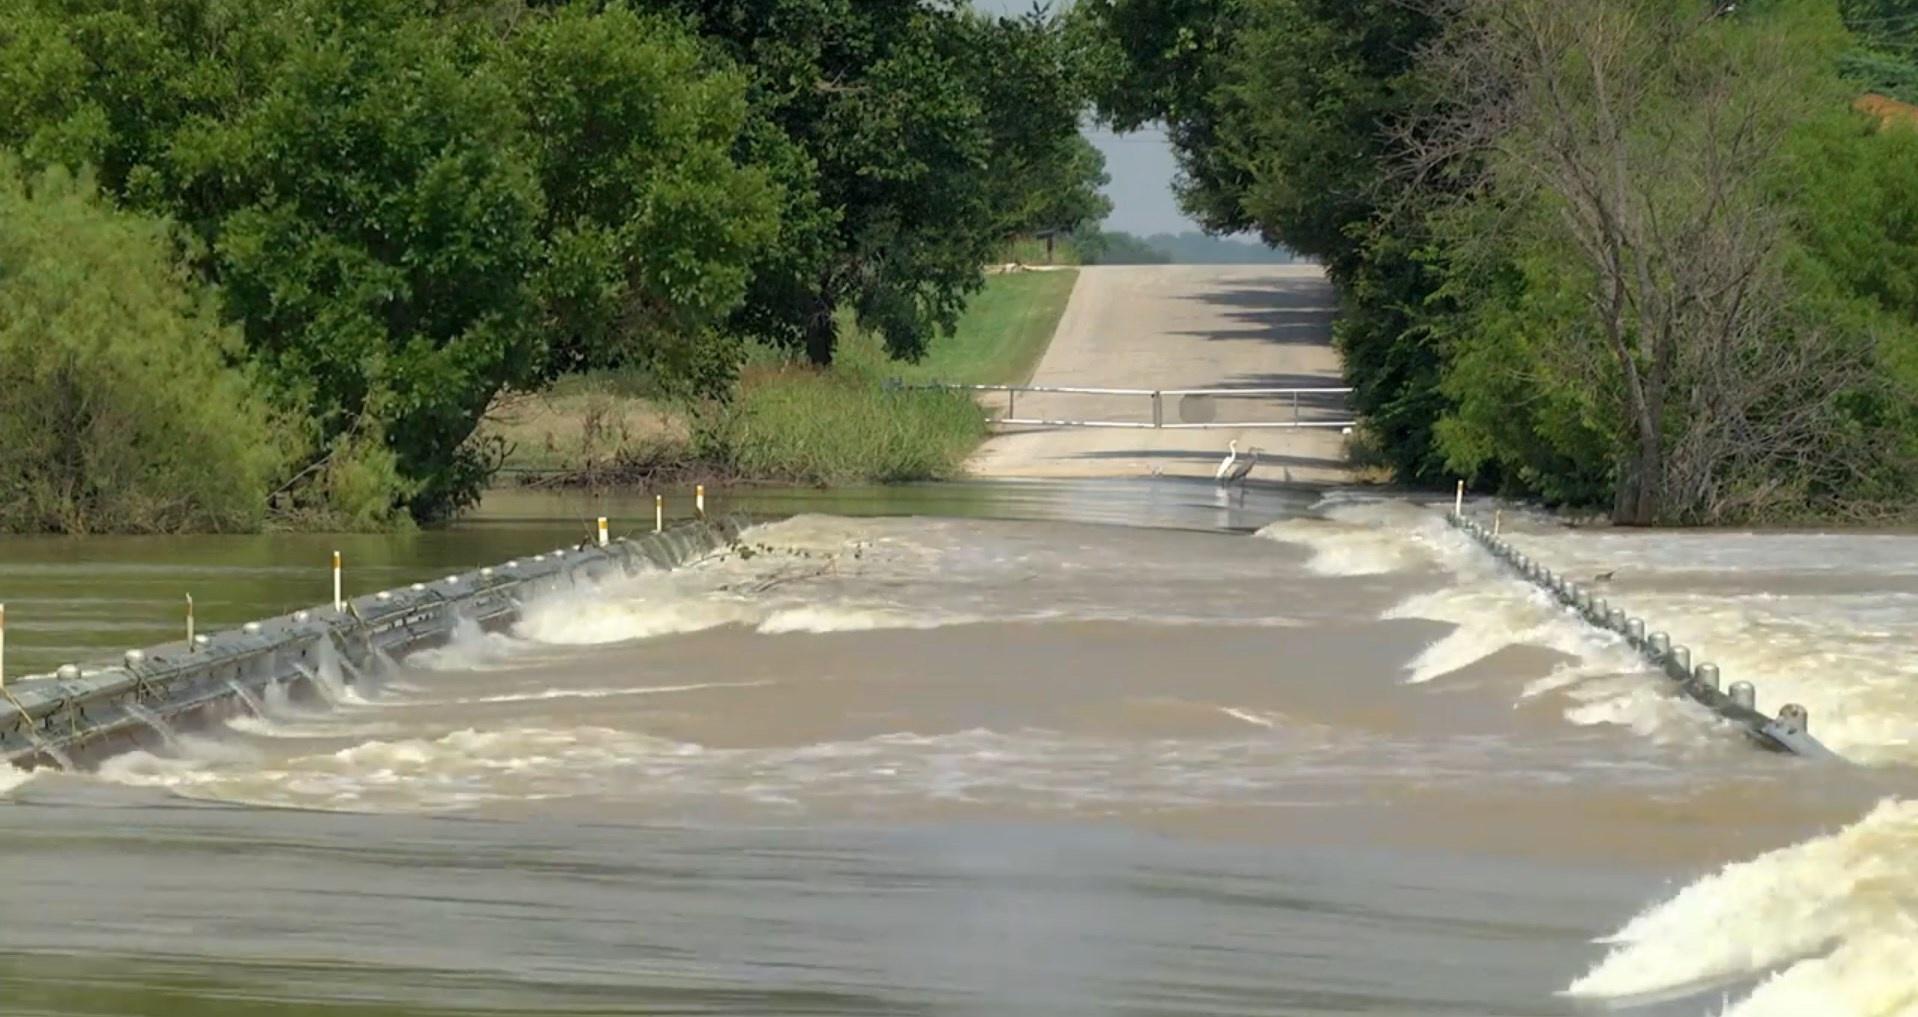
408 208
911 137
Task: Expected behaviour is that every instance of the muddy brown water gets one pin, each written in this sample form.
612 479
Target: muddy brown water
1031 748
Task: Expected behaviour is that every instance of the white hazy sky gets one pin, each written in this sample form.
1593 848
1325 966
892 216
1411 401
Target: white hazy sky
1141 167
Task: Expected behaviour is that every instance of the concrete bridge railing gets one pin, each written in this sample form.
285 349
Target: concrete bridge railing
91 710
1790 731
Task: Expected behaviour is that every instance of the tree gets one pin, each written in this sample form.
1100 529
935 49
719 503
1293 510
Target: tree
650 224
1628 151
124 409
407 209
1102 247
1042 175
885 124
1169 61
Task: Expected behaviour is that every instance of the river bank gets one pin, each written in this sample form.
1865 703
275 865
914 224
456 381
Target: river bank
788 422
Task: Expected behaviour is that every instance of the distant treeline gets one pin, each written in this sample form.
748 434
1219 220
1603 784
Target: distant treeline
1102 247
1642 254
287 252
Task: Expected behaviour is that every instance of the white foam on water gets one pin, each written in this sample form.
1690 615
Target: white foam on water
467 648
1858 979
309 726
1493 613
12 778
1252 717
1562 677
1648 707
1489 610
1838 913
821 618
1370 538
201 749
1826 621
648 690
593 621
141 768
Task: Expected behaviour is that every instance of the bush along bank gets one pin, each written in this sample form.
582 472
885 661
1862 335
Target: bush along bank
786 421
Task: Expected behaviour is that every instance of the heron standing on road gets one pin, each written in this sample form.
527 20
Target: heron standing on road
1233 470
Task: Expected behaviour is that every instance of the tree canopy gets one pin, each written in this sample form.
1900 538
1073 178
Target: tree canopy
1585 251
914 137
406 208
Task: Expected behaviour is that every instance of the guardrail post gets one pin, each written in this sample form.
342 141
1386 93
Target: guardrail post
1158 408
1012 403
1295 408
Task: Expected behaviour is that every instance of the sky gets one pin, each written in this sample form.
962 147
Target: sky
1140 164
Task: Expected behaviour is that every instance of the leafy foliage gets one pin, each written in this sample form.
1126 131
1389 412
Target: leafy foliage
913 139
408 208
407 212
1469 295
123 409
1884 54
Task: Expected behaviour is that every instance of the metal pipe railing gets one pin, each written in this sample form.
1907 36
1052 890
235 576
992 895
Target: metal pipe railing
1157 395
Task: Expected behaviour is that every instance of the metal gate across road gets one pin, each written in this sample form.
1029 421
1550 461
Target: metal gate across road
1197 407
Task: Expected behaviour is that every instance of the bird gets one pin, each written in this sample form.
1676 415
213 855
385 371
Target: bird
1231 456
1604 577
1232 469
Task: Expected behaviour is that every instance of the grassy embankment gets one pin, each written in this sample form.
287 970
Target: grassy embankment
789 422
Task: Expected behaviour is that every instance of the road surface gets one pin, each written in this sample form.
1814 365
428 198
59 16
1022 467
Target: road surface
1172 327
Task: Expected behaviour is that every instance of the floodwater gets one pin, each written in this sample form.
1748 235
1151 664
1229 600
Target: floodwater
981 749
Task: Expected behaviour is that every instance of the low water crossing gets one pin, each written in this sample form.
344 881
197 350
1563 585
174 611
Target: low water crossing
1096 748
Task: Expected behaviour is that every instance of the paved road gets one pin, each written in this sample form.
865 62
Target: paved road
1181 326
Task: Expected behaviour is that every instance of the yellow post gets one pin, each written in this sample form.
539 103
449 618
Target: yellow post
1458 501
189 623
602 531
699 499
659 512
339 602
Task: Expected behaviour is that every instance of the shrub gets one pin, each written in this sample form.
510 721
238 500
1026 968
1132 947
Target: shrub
809 426
120 407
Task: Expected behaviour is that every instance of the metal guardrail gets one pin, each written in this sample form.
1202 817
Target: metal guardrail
1790 731
1158 396
49 718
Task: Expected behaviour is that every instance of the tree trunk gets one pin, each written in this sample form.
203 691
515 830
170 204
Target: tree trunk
822 334
1638 502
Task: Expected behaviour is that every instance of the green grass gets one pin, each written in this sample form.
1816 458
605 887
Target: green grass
998 341
807 426
792 423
